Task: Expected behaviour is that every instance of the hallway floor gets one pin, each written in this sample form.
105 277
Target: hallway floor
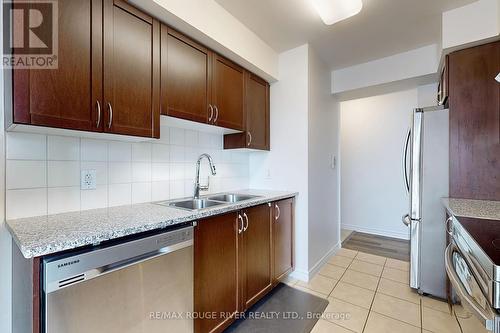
370 294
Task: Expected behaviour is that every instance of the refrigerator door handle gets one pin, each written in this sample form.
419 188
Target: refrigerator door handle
405 161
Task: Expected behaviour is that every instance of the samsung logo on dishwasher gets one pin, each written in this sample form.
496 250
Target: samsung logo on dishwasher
68 263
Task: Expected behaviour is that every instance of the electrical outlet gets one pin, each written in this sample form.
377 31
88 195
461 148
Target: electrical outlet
88 180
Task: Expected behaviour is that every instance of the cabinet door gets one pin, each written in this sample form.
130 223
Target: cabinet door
257 112
131 70
66 97
257 280
228 94
185 81
216 272
283 238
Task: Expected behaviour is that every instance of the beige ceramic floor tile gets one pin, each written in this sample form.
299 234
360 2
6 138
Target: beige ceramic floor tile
397 309
398 264
324 326
347 253
340 261
346 315
353 294
378 323
360 279
440 322
436 304
332 271
366 267
373 259
396 275
320 284
398 290
309 291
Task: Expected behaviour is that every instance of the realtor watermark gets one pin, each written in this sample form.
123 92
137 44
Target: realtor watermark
30 34
265 315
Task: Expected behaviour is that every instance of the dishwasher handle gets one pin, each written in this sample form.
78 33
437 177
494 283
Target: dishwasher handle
487 317
140 258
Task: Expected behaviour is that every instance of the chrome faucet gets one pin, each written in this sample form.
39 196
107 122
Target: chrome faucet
197 186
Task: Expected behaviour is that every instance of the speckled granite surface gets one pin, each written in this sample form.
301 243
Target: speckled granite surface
42 235
481 209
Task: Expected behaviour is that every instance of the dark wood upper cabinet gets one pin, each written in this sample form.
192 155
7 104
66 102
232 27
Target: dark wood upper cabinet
474 101
65 97
257 133
108 75
256 271
131 70
228 94
283 238
185 77
216 272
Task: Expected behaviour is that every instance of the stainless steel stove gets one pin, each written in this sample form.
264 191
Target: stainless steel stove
473 266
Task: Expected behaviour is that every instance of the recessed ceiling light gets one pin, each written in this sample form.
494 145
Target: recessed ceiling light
333 11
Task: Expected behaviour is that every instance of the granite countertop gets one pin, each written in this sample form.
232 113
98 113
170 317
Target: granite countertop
43 235
480 209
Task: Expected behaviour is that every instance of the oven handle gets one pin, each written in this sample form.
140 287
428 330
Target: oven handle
487 317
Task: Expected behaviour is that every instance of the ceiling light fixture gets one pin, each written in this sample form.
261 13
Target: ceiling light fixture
333 11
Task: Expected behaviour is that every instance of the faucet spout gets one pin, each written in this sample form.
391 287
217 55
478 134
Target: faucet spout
197 186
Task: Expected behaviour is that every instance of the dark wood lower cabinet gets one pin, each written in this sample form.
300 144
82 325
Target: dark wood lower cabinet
255 254
283 238
215 272
235 261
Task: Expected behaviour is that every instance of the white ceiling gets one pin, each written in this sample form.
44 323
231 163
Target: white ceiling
383 28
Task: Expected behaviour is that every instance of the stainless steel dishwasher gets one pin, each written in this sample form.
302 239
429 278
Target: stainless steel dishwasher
138 286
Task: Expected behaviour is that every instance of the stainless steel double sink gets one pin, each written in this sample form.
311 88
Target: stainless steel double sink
207 202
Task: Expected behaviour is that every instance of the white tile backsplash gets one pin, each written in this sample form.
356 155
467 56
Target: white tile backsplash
63 148
63 199
94 150
26 203
43 172
22 146
63 173
23 174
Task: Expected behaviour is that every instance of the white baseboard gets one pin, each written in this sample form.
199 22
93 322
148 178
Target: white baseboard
318 265
377 231
300 275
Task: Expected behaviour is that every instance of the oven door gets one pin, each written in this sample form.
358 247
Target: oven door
468 289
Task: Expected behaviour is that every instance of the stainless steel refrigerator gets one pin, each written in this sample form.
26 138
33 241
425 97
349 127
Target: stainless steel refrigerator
425 168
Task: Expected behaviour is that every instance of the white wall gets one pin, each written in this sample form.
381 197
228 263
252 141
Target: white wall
211 24
412 64
373 197
324 226
43 172
285 167
474 22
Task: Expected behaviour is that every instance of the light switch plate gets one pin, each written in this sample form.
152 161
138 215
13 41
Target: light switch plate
88 180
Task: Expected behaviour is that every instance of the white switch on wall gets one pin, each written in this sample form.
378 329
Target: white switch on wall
333 161
88 180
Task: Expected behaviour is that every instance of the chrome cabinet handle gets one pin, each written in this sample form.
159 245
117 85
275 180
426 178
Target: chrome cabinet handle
406 220
216 113
210 107
278 212
240 230
448 226
110 108
246 224
405 161
98 105
249 139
